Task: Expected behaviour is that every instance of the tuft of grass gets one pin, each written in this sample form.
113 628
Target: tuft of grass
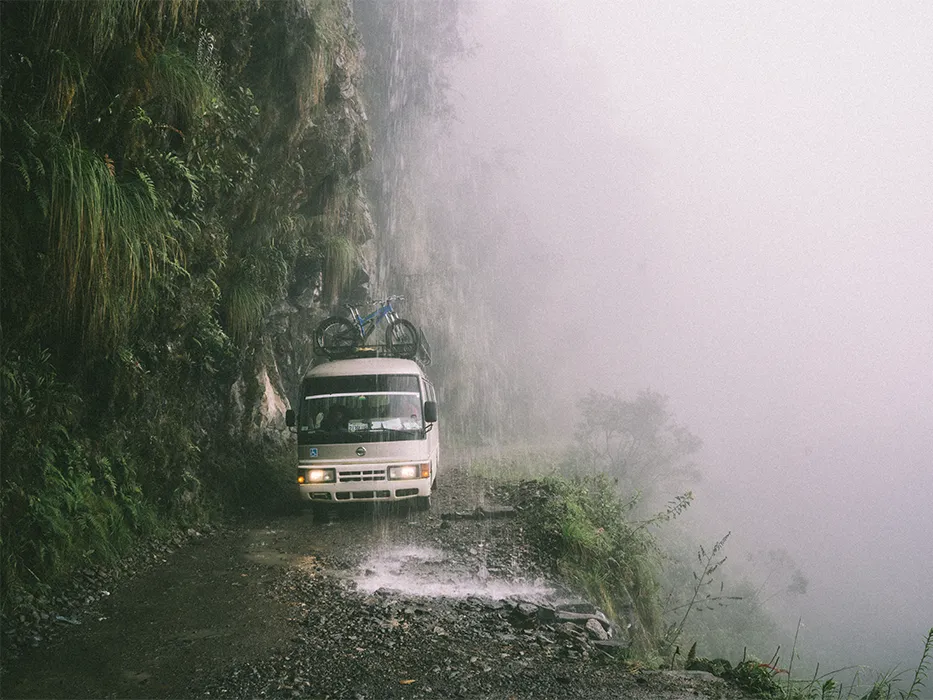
343 225
109 235
584 527
99 25
182 84
920 674
245 302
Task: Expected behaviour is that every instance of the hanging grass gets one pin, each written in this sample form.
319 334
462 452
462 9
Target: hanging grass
79 50
245 301
341 262
182 85
109 236
314 59
65 83
97 26
344 225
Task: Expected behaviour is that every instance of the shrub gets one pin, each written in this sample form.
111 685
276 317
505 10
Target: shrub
583 526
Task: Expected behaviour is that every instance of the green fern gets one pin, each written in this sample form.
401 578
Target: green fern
140 117
179 166
149 185
24 172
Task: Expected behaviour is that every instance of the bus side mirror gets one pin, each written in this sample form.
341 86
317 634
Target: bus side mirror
430 411
290 418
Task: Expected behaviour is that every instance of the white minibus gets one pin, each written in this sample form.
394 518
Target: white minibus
367 431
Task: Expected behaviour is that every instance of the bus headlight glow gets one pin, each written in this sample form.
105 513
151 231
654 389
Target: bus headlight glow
320 476
410 471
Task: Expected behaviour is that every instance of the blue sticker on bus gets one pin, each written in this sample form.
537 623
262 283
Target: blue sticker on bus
314 452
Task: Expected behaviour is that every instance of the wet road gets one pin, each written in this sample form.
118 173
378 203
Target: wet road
213 603
362 603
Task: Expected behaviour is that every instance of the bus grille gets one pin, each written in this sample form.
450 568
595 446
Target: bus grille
347 476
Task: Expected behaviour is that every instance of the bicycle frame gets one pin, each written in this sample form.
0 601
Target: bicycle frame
367 324
338 337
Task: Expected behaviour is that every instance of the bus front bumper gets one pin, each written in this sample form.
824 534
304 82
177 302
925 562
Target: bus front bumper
342 484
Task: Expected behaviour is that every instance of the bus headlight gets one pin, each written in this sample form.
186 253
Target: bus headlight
317 476
410 471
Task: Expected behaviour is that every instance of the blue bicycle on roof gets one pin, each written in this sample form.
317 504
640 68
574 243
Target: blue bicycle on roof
337 336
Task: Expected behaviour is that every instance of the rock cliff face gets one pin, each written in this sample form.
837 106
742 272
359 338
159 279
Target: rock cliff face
335 146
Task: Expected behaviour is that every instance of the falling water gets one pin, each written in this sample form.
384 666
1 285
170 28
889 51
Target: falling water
431 572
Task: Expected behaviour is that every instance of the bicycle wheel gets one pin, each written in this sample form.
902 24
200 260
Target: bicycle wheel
335 337
402 338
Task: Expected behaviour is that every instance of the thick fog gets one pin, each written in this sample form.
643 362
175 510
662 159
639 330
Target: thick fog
732 203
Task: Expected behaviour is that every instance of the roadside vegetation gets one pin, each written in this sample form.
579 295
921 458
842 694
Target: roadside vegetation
583 513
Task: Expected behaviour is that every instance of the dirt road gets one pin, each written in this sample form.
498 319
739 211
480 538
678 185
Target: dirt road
364 603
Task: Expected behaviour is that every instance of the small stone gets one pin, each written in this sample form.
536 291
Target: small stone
568 629
579 607
527 609
596 629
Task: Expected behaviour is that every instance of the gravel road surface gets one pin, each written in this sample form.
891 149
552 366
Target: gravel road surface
364 602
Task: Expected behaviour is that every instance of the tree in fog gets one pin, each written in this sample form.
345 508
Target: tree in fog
636 441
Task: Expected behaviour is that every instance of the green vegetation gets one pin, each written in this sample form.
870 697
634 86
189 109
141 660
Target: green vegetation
638 570
588 530
582 525
583 506
769 680
171 171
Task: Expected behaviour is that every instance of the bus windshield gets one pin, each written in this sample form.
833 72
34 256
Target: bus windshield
367 408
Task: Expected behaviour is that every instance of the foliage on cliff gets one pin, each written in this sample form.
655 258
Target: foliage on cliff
171 170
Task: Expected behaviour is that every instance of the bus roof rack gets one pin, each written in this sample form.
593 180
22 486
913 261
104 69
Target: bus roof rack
422 356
